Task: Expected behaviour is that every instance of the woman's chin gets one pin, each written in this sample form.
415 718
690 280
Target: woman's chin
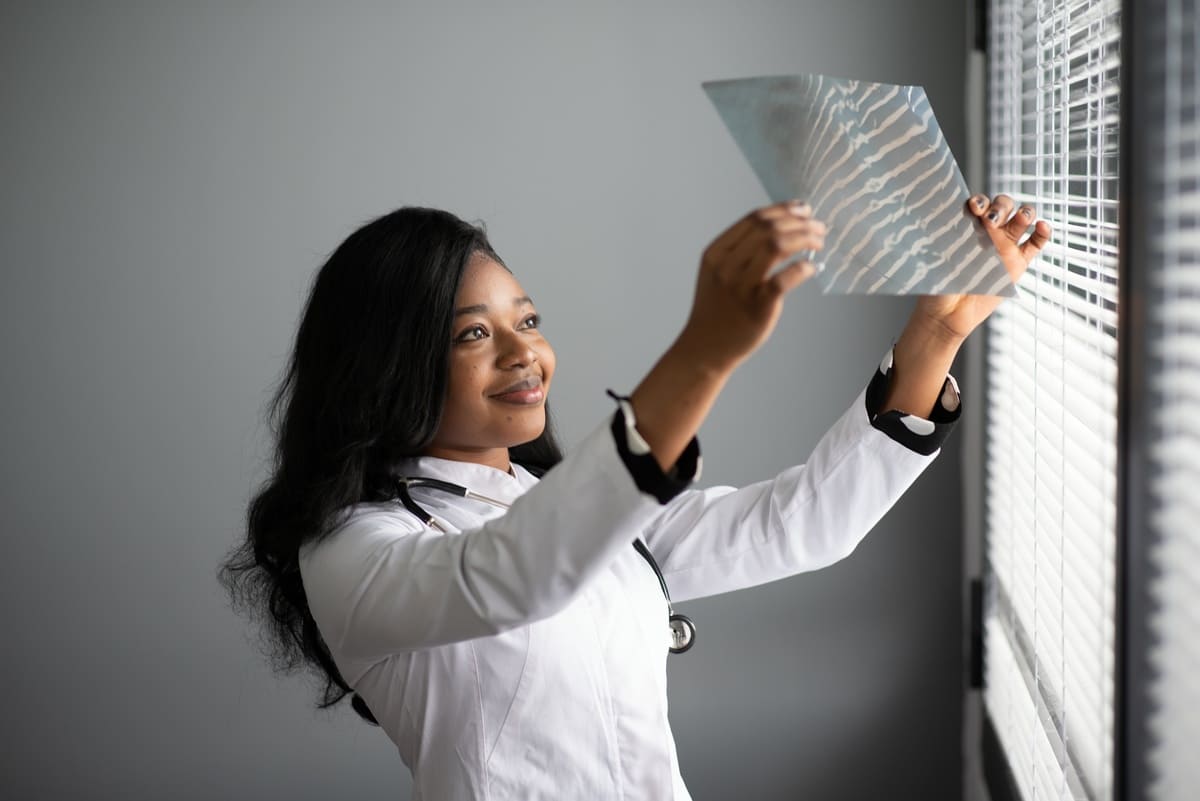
527 434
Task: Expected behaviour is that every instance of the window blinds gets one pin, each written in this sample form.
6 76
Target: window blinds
1172 195
1051 475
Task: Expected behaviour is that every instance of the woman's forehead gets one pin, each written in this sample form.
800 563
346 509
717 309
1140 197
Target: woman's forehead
486 281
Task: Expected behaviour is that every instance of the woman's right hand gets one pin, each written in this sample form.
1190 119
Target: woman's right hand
736 304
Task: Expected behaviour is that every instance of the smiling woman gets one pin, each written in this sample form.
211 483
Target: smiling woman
498 626
500 369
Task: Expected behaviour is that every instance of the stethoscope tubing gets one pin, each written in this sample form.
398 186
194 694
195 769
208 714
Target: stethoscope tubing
683 630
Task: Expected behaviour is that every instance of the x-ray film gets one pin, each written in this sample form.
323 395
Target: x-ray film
872 162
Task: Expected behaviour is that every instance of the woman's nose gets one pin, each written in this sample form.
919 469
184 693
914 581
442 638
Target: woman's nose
516 351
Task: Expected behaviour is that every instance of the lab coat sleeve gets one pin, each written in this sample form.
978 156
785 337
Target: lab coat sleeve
384 583
719 539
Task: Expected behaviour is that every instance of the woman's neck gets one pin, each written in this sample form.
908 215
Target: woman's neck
489 457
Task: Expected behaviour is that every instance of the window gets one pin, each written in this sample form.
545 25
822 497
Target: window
1051 474
1093 438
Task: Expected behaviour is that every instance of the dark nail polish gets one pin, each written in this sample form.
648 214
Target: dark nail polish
993 216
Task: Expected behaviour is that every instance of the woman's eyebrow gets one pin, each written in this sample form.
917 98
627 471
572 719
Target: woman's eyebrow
481 308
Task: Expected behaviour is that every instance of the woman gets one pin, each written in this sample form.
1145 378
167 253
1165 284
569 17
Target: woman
520 652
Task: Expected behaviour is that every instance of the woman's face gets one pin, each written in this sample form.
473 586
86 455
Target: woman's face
500 369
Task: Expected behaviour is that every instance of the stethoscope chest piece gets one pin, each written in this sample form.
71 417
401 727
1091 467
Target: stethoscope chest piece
683 633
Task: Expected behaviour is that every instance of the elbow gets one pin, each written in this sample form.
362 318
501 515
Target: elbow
838 549
836 540
818 540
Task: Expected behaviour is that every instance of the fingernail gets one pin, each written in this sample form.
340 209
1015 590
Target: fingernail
1027 213
799 205
979 201
992 215
819 266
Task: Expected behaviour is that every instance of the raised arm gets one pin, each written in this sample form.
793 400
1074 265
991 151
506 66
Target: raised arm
722 539
736 305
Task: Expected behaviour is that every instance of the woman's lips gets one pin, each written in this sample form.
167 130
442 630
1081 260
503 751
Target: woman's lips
522 397
523 392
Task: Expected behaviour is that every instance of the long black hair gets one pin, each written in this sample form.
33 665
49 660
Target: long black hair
365 386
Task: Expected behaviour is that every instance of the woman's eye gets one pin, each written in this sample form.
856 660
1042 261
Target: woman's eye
474 332
532 321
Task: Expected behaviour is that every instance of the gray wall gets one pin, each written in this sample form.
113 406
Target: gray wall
172 177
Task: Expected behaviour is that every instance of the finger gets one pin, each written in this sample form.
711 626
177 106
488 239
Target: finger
790 277
759 218
799 209
778 216
742 263
998 212
789 225
776 249
1019 224
977 205
1037 240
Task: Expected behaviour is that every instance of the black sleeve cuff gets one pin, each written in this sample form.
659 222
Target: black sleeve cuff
915 433
642 466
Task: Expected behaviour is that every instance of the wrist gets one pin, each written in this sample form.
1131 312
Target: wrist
921 360
931 336
693 353
673 399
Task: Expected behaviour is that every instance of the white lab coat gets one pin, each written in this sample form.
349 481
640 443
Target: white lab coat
525 656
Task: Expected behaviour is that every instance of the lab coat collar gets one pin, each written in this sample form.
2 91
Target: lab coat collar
473 476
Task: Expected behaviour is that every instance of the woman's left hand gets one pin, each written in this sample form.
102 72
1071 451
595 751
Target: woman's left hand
956 316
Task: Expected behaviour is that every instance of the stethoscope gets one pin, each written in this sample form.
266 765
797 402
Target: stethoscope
683 630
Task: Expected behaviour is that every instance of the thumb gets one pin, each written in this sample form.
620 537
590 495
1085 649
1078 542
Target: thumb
791 277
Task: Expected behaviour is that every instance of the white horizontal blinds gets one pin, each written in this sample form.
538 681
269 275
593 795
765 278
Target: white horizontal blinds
1052 369
1174 378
